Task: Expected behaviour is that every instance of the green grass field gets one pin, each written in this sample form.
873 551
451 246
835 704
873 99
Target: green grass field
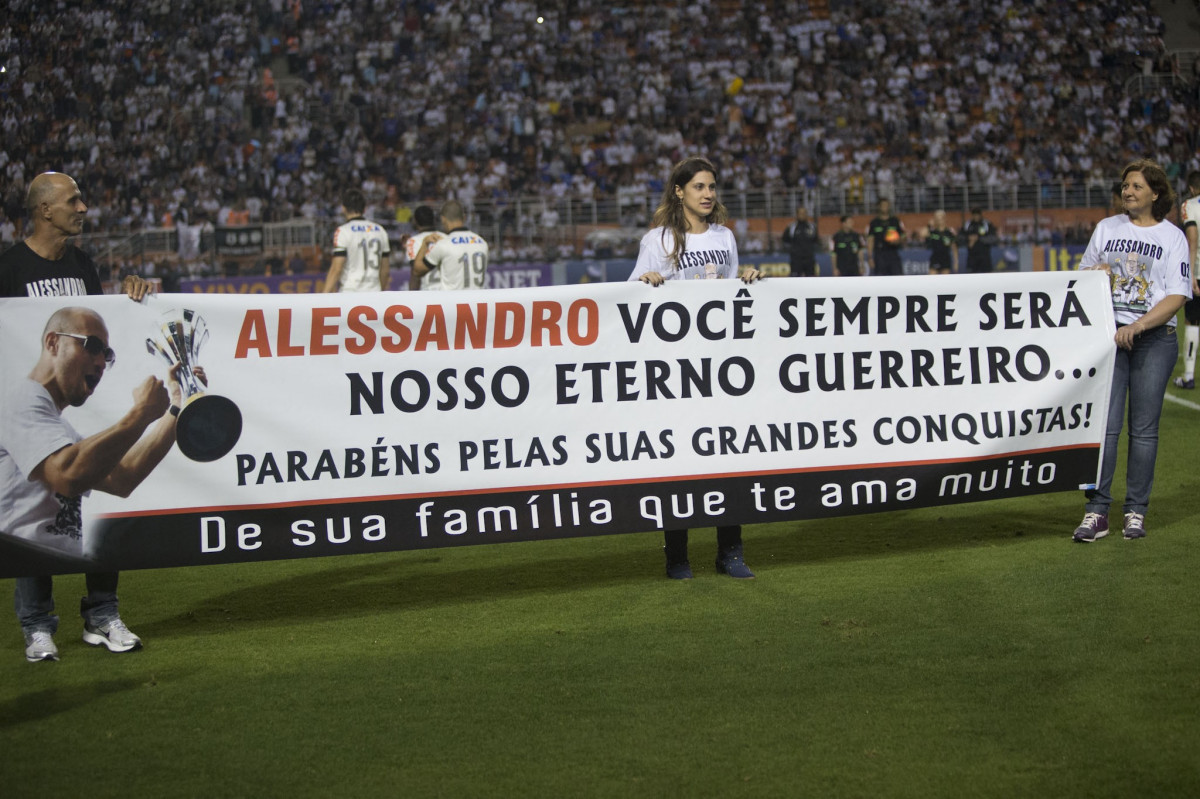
962 651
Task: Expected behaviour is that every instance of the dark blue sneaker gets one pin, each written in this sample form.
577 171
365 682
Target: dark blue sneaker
680 570
1135 525
1093 526
730 562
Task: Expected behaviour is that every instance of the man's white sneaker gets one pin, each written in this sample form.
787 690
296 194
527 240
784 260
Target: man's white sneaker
114 635
39 645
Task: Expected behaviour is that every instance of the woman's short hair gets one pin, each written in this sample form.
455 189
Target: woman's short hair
1156 179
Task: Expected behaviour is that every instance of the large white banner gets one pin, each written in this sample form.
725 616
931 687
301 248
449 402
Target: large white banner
333 424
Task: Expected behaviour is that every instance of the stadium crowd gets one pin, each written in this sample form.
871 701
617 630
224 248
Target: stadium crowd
177 110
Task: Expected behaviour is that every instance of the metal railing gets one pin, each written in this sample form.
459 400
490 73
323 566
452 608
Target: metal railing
1140 85
1185 61
568 222
115 251
574 218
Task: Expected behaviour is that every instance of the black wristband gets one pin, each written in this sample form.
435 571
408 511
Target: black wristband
174 410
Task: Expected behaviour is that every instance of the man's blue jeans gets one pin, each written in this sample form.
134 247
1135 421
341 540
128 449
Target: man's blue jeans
1140 374
34 601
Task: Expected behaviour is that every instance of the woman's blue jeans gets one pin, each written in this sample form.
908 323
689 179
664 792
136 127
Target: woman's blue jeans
1140 374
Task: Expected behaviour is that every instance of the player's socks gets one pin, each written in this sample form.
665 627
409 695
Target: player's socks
1191 342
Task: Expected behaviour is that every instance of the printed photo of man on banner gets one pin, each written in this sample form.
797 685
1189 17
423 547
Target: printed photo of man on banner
46 467
329 424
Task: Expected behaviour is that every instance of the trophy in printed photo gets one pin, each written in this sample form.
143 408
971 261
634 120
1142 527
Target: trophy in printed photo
209 425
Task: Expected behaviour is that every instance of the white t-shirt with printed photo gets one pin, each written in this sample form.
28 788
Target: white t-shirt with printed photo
1146 264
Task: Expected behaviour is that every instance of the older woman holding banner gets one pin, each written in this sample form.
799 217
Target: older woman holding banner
1146 259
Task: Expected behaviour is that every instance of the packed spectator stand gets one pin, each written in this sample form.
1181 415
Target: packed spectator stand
262 110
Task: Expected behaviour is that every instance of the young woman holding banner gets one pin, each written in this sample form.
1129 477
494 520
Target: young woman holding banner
1146 259
689 240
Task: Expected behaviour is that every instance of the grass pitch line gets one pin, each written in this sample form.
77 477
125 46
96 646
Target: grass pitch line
1183 402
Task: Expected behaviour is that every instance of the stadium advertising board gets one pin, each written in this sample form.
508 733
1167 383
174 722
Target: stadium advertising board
336 424
241 240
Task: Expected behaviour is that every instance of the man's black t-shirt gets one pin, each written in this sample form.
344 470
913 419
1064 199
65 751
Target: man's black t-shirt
24 273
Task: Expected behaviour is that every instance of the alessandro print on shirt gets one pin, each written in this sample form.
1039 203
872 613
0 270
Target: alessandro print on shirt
709 255
24 273
1145 264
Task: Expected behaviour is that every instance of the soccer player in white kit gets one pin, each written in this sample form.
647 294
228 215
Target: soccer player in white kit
1191 311
460 256
360 250
426 224
689 240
